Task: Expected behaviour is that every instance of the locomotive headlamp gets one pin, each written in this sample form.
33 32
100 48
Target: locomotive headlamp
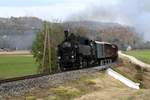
72 56
59 57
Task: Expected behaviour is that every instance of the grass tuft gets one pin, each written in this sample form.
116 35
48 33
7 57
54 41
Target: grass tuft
31 98
59 90
91 82
53 98
65 92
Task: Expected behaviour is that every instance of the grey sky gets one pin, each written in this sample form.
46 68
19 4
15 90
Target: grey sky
135 13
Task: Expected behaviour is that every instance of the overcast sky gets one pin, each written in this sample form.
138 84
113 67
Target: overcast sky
47 9
135 13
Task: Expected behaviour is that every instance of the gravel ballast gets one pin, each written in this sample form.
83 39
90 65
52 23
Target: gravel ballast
20 87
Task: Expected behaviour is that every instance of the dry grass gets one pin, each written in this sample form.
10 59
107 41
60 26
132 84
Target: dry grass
117 94
86 85
96 86
66 93
134 72
31 98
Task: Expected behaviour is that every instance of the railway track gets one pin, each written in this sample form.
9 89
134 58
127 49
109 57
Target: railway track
3 81
21 85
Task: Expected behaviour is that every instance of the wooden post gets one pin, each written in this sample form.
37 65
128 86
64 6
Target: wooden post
45 39
46 63
49 46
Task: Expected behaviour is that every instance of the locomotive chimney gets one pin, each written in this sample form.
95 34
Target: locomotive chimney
66 32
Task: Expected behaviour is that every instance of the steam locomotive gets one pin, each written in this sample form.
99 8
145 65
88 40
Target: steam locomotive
79 52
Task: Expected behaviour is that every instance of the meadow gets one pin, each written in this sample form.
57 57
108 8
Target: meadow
16 66
143 55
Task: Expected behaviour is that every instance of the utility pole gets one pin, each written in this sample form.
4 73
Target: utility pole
49 45
46 63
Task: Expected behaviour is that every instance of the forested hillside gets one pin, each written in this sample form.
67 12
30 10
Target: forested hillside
19 33
123 36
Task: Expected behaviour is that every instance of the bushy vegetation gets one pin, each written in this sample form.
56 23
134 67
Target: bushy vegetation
44 47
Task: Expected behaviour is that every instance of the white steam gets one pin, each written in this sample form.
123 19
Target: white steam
135 13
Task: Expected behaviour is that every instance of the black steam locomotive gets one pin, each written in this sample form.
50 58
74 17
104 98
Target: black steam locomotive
79 52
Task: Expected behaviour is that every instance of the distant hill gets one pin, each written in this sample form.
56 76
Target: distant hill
20 25
123 36
19 32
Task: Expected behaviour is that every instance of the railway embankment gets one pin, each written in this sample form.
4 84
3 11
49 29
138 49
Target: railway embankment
71 85
134 69
20 87
134 60
85 84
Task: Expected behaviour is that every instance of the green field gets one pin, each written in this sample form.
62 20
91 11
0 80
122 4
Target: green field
16 65
143 55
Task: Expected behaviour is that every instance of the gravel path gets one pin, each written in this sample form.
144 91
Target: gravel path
134 60
15 53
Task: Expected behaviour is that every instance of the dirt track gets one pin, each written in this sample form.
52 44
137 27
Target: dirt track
134 60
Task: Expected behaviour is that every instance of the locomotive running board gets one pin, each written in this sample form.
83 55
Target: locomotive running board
103 67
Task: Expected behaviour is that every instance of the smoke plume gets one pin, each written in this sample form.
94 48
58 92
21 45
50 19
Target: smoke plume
134 13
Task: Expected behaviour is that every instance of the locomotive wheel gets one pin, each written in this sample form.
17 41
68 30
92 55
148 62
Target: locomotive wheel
61 67
85 63
81 62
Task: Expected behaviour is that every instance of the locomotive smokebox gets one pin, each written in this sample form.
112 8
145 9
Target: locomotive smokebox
66 32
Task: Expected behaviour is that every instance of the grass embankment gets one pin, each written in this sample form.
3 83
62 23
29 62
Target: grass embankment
120 71
133 72
16 66
143 55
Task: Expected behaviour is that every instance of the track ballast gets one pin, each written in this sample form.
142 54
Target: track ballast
21 85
